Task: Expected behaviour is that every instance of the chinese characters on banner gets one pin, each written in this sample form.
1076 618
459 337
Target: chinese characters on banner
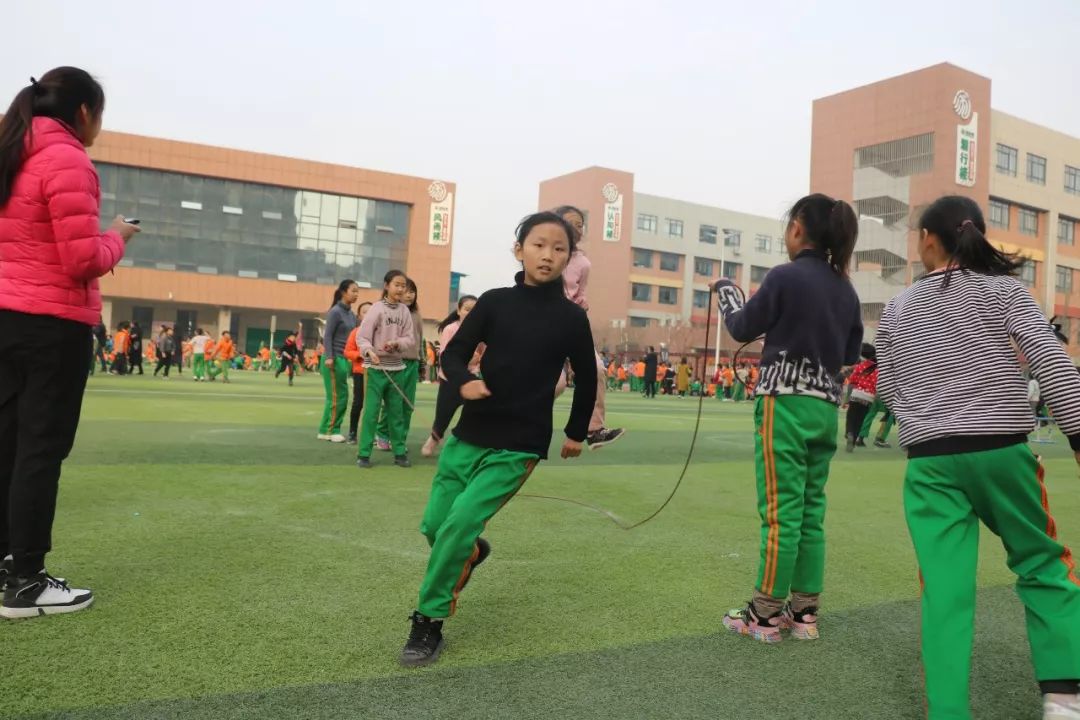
439 232
966 151
613 219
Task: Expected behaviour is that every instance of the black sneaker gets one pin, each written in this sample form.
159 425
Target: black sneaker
42 594
6 566
364 463
603 436
881 444
351 440
860 442
483 550
850 446
425 641
402 461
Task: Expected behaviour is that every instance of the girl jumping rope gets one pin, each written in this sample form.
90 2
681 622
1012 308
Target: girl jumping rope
968 458
411 376
806 343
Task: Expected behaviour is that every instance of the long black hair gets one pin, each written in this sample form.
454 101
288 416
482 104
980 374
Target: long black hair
60 94
342 287
958 223
410 286
830 226
544 218
455 316
389 278
564 210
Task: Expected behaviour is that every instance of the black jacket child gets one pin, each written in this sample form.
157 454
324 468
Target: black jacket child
529 332
290 353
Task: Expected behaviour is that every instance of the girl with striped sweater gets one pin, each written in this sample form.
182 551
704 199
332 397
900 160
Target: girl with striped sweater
968 458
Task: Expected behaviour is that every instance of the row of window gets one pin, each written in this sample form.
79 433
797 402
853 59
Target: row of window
1028 219
643 292
1008 163
702 266
708 233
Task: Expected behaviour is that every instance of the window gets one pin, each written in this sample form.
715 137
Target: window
701 298
230 210
640 292
999 214
731 270
1036 169
669 296
646 223
1027 273
669 261
1029 222
1072 180
188 205
707 234
674 228
1066 231
1006 160
1063 281
899 158
763 243
639 322
642 258
757 274
703 266
732 238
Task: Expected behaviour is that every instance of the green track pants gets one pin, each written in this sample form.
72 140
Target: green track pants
336 385
219 367
794 444
199 366
410 376
877 407
945 497
470 486
380 395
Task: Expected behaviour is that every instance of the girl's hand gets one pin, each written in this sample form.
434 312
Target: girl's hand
475 390
125 230
329 362
571 449
372 357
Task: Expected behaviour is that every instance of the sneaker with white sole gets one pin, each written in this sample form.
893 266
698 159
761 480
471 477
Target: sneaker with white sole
42 594
1061 707
604 436
322 436
337 438
430 446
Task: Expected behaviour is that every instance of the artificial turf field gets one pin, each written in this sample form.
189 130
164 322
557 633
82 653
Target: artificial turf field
245 570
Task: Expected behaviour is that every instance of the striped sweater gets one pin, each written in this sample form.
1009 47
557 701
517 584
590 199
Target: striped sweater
948 367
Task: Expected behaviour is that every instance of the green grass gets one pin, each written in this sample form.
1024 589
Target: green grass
245 570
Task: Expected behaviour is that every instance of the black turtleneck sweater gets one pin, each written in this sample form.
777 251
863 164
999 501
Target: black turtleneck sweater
529 332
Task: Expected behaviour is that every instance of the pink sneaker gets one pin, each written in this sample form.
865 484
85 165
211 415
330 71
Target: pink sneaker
803 625
430 446
382 443
747 622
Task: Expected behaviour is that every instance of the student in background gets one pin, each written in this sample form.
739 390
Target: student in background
166 352
682 378
224 352
135 349
649 372
449 399
352 354
120 349
334 366
863 381
289 358
411 376
198 355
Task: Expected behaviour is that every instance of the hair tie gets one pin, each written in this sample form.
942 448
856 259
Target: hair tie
961 226
34 85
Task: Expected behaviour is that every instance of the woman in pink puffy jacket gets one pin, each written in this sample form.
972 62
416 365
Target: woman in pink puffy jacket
52 252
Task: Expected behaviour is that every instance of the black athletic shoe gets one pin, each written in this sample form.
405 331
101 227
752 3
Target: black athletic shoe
850 446
881 444
603 436
6 567
484 548
425 641
42 594
860 442
402 461
364 463
351 440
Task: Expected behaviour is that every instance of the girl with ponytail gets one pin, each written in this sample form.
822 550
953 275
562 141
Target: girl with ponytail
964 420
812 322
52 252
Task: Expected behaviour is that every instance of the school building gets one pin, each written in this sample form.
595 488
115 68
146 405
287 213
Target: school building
653 259
256 244
892 147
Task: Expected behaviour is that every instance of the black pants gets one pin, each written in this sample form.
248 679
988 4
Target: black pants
447 403
41 393
650 388
163 362
135 361
357 402
119 365
99 353
856 413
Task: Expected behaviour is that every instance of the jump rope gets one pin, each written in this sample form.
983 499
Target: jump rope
619 523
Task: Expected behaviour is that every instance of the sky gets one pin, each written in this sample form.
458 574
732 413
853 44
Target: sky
706 101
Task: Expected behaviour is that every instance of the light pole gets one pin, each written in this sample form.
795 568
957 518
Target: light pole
719 315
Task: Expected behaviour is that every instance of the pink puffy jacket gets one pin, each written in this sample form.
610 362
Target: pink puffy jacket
52 250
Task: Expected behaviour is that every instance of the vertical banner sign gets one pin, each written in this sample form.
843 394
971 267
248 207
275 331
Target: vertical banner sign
967 140
612 212
442 208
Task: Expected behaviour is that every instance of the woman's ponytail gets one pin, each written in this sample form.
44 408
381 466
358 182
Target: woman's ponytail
13 129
